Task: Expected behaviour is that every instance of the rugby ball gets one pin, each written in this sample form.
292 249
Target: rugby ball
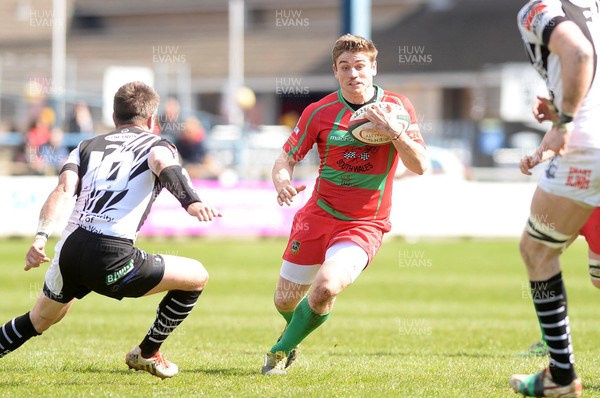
363 130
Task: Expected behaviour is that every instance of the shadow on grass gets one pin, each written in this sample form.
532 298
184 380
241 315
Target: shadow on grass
197 370
420 354
224 371
123 371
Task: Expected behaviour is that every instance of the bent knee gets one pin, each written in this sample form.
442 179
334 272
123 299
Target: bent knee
200 277
325 292
194 273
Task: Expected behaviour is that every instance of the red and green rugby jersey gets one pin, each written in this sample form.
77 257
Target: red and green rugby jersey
355 179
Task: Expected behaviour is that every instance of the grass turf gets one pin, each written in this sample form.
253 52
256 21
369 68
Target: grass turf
431 319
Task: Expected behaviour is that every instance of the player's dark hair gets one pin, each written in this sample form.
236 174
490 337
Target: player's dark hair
353 44
134 102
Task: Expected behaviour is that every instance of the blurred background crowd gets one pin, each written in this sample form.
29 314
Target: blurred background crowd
234 75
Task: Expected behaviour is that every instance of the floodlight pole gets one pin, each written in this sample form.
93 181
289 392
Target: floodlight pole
357 17
236 60
59 54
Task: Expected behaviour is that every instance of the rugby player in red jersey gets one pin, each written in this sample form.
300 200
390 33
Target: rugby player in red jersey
337 233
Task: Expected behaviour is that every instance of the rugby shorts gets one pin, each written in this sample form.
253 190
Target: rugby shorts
85 261
576 176
314 231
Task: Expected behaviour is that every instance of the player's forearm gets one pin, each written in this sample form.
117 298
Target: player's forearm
412 154
282 172
53 208
281 178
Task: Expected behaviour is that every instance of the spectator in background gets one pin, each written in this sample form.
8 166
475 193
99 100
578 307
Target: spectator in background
169 122
53 154
81 120
38 132
37 135
191 143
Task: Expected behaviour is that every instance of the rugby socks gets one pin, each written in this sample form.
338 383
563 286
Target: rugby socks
16 332
172 310
550 301
304 321
286 315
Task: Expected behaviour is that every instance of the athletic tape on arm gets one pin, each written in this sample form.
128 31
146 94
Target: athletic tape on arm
179 184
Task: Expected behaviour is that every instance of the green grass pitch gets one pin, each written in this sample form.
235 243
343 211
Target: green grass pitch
431 319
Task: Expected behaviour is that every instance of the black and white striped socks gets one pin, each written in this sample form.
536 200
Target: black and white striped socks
550 301
172 310
16 332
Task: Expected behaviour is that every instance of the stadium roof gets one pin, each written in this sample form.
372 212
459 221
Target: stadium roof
450 36
468 35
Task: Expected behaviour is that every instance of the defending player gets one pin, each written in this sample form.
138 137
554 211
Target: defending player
115 178
338 232
591 233
560 38
543 110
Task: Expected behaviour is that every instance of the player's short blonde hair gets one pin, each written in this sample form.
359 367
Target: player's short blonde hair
135 102
353 44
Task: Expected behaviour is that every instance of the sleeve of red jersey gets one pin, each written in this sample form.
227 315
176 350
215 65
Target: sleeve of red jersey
303 137
413 130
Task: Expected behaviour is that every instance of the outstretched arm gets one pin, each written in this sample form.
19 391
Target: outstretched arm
51 212
175 179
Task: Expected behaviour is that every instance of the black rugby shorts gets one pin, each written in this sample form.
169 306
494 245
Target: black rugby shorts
106 265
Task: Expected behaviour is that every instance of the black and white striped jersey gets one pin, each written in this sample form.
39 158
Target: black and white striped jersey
116 186
536 21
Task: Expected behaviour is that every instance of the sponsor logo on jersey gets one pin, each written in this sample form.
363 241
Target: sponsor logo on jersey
340 136
118 274
121 137
295 247
333 137
354 168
